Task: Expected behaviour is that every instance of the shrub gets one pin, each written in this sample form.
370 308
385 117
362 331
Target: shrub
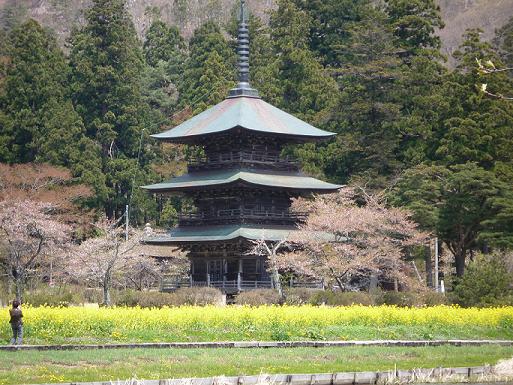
299 295
198 296
53 296
258 297
341 298
432 298
186 296
145 299
92 295
485 283
398 298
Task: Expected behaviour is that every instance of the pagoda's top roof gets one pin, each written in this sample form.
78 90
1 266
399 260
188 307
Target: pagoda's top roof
249 113
223 177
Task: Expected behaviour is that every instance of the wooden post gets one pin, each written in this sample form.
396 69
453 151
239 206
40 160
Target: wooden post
436 265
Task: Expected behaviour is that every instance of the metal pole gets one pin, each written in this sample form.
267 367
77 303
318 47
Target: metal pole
436 265
126 223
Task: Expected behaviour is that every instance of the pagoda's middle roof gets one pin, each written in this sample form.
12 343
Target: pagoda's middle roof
250 113
260 178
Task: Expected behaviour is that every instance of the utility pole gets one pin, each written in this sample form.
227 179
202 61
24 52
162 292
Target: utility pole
436 265
126 223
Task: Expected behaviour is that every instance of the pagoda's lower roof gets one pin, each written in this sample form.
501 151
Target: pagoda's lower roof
198 180
181 235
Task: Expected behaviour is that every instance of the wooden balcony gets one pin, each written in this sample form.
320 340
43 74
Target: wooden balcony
250 159
240 216
235 286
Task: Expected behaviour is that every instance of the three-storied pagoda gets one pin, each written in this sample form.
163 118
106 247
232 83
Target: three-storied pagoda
242 187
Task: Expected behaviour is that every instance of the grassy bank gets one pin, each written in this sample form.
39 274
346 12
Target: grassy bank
104 365
91 325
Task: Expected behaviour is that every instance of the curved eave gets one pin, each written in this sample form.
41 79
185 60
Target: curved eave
247 113
184 235
196 181
191 139
181 236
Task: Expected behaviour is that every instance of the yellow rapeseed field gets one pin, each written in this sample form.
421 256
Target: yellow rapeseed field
47 324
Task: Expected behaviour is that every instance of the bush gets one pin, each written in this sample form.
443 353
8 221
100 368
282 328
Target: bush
258 297
198 296
92 295
398 298
53 296
186 296
299 295
486 282
432 298
341 298
144 298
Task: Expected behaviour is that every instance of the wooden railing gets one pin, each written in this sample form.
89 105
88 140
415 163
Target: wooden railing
247 158
231 215
237 285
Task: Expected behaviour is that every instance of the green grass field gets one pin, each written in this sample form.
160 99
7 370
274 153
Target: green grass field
32 367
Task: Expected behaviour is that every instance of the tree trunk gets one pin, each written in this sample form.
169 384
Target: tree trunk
106 290
277 283
429 267
459 260
18 288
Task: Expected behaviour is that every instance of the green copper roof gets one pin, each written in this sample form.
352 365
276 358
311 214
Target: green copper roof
247 112
221 233
261 178
180 235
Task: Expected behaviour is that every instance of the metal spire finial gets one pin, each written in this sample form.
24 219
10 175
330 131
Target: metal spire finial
243 88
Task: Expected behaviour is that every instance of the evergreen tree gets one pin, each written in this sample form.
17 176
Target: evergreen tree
165 52
164 43
504 43
465 205
330 29
414 23
369 107
40 123
107 65
287 74
305 89
210 69
14 12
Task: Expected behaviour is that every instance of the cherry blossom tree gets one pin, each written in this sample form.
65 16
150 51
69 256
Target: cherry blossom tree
108 257
28 231
343 238
271 249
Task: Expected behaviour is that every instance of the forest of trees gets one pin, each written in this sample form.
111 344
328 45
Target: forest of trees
433 138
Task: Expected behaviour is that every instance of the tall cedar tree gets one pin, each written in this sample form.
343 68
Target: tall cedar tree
504 43
165 53
330 26
369 107
107 64
40 123
210 69
414 23
305 89
290 76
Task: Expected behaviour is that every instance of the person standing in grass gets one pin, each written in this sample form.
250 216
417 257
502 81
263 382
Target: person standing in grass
16 323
